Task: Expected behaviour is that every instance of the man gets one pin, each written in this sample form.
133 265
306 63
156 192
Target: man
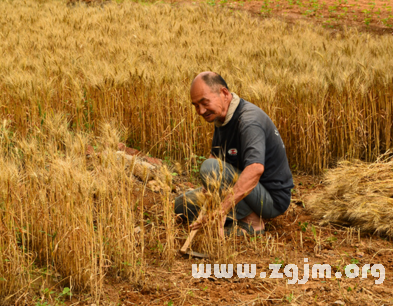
249 143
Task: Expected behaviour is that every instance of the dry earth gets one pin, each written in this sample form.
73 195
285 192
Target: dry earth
333 245
372 16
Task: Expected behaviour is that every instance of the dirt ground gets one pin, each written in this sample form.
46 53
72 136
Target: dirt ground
372 16
293 240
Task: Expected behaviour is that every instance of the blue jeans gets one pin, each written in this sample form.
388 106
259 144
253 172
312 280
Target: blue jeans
258 201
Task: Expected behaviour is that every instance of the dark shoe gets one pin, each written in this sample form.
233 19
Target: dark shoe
249 229
230 230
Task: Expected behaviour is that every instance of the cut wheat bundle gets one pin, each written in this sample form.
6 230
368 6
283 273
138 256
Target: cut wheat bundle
358 194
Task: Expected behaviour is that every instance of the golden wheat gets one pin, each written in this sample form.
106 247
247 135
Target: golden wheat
329 95
74 216
359 195
69 75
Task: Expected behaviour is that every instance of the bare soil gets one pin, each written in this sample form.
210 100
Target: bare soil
364 15
174 285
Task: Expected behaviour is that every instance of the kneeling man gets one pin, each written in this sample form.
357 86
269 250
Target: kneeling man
249 143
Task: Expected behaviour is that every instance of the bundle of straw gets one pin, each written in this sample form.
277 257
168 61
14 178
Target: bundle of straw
358 194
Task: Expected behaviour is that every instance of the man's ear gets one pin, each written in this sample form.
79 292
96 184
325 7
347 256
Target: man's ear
225 92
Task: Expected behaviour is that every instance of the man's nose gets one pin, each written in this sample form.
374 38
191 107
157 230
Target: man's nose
202 110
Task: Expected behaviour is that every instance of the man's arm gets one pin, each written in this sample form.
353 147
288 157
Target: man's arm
247 181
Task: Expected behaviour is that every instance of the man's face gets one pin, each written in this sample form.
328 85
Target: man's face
209 104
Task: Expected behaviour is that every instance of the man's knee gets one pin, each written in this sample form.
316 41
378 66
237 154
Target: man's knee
179 205
208 167
185 205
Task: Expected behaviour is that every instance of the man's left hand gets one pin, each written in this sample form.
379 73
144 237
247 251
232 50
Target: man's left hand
219 215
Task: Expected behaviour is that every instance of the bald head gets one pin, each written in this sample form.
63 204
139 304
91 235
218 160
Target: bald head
211 79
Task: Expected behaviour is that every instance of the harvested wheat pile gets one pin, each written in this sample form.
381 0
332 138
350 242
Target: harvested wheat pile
358 194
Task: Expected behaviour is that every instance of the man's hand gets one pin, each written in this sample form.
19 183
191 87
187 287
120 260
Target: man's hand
198 223
247 181
219 215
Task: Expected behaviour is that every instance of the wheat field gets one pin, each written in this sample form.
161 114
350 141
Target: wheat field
71 76
75 217
329 94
